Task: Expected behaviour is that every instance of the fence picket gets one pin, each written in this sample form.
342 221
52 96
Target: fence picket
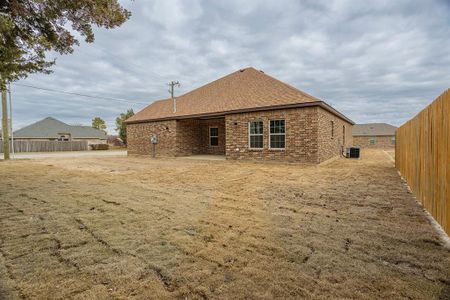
48 146
422 156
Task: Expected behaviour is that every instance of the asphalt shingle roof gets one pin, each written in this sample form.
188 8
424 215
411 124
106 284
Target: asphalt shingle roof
52 128
244 89
373 129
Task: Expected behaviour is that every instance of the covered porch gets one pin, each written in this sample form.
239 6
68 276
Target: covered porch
201 136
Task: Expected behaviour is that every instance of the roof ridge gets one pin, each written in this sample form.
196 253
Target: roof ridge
209 83
256 70
54 119
374 123
41 120
241 89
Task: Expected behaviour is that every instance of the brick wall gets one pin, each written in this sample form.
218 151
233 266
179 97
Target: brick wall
138 138
193 137
176 138
188 137
205 125
301 135
308 136
383 142
334 134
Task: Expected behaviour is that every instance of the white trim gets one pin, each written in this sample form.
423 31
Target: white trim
284 134
216 136
262 134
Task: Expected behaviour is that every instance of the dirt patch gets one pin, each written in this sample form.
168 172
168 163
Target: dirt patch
123 227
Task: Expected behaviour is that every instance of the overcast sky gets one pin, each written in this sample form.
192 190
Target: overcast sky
375 61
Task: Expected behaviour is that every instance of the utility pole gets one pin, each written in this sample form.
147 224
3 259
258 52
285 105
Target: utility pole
5 124
10 120
172 84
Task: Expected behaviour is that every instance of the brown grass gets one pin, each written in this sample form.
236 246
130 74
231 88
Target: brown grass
139 228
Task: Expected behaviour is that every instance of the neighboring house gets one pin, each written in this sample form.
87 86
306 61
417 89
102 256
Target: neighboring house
115 140
244 115
374 135
50 129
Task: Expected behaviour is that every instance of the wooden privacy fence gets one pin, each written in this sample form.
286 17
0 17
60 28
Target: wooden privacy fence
422 157
47 146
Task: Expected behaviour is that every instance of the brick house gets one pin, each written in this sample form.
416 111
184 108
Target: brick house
244 115
374 135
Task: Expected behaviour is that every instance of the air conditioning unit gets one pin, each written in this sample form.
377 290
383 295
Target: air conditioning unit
352 152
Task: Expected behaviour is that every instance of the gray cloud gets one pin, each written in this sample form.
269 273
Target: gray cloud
375 61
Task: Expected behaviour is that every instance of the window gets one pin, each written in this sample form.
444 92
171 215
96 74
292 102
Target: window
255 134
277 134
214 136
393 140
373 140
332 129
64 137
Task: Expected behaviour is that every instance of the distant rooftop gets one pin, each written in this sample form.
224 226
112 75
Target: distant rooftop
373 129
52 128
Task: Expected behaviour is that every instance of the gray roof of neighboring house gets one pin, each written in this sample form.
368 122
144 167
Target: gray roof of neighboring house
52 128
373 129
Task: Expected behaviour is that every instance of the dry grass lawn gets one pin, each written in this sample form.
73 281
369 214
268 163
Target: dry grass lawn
120 228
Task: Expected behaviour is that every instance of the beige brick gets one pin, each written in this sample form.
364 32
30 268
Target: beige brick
308 136
383 142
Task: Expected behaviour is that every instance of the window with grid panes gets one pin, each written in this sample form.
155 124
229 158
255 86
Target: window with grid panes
277 134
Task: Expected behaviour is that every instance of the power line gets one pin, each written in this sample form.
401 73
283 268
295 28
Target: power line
78 94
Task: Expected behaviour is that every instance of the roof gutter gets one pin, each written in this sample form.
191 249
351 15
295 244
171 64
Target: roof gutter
252 109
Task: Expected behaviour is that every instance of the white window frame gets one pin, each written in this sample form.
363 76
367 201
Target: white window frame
270 134
255 134
215 136
374 140
64 137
